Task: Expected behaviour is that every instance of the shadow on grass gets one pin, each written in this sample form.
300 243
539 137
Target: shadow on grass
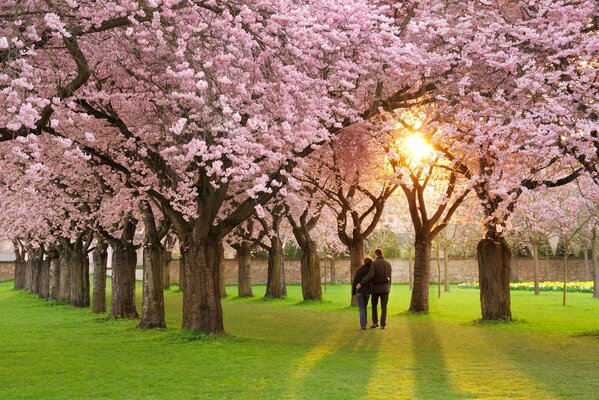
591 334
431 375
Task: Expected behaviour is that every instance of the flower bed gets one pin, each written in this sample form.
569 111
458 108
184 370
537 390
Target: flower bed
586 287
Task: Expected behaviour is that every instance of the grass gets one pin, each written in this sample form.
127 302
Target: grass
288 349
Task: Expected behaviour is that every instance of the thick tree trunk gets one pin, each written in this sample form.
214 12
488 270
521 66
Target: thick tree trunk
100 257
356 254
33 266
152 314
64 283
20 269
310 272
202 310
494 277
79 277
595 256
221 273
54 277
535 270
422 271
166 256
244 256
124 261
44 279
275 281
446 268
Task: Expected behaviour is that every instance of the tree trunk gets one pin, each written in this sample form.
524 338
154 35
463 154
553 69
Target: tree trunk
166 257
33 266
64 283
310 272
422 270
244 254
535 270
595 256
79 277
221 273
20 269
275 282
494 277
356 253
100 257
202 309
44 279
124 261
410 270
446 268
152 313
54 277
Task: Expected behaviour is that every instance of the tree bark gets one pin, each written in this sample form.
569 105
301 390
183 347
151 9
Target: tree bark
494 277
152 306
356 253
44 279
202 309
535 270
54 276
275 282
64 283
166 257
310 272
124 261
79 266
446 268
33 266
152 313
20 268
100 257
244 255
422 270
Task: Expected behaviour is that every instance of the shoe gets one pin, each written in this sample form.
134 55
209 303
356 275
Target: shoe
374 326
363 329
382 326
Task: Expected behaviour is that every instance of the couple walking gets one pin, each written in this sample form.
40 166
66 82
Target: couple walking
373 277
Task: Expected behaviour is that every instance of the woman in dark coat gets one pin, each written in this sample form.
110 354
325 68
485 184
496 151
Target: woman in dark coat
363 293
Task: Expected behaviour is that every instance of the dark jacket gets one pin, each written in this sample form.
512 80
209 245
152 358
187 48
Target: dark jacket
379 276
360 274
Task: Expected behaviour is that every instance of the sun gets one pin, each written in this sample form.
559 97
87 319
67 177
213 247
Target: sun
417 148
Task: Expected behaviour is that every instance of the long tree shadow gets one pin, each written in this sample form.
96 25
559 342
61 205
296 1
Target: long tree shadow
360 351
560 367
432 379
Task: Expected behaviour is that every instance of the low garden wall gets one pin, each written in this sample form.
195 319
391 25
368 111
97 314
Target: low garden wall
460 270
7 270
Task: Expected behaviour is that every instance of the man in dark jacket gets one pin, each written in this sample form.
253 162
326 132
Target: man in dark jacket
363 293
379 277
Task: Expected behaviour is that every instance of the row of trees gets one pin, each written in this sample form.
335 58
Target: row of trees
217 121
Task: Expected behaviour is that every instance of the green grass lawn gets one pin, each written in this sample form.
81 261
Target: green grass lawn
286 349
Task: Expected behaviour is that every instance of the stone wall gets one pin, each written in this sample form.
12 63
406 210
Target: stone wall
460 270
7 270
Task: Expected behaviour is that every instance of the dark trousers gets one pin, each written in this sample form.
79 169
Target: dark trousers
375 301
362 308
